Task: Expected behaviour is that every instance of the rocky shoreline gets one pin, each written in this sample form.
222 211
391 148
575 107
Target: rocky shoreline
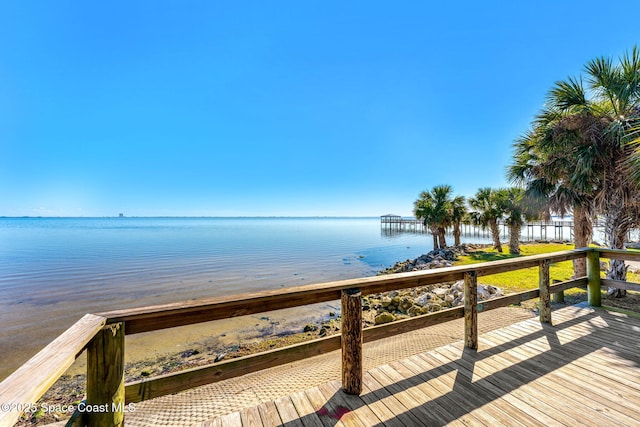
395 305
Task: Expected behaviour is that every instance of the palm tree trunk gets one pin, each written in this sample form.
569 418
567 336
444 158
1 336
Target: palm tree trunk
456 233
434 234
616 227
514 238
582 234
495 234
441 236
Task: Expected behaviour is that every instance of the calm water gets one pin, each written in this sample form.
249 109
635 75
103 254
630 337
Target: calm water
54 270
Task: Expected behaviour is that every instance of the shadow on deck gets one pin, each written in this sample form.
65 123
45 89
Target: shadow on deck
583 370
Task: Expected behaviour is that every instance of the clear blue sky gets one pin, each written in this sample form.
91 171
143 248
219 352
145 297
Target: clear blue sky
228 108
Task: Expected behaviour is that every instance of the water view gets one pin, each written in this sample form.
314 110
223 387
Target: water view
54 270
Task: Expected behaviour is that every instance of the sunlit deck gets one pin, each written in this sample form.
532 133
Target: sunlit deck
584 370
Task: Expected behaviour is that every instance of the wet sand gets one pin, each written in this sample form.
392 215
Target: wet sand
151 346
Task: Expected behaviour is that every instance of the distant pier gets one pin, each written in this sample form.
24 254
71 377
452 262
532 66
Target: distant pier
534 230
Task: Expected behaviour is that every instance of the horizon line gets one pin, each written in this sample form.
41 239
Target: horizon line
183 216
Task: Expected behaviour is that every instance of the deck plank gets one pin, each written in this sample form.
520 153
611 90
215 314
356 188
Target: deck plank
305 410
323 409
376 392
354 404
417 396
269 414
287 412
250 417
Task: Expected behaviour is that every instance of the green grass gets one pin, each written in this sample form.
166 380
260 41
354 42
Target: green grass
524 279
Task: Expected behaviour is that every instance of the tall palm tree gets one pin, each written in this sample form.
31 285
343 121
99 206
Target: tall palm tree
487 209
582 141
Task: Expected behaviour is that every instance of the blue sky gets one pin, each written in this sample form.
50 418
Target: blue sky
297 108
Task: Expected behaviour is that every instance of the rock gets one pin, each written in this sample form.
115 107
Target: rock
310 328
219 357
423 298
405 304
458 286
434 307
415 310
383 318
440 292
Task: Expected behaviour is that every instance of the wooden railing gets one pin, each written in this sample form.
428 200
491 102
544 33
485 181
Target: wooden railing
102 335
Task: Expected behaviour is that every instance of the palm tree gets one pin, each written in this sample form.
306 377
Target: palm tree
435 208
487 209
581 152
458 212
544 163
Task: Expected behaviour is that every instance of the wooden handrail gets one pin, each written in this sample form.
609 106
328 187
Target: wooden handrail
20 390
151 318
618 254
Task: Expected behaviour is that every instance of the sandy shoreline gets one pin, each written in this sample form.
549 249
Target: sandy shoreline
216 336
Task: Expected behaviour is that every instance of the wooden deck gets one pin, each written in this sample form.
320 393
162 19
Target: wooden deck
582 371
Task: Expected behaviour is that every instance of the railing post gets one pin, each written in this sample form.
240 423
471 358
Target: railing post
105 378
593 274
471 310
545 297
352 341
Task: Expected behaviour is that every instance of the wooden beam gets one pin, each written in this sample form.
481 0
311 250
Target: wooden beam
352 341
620 284
105 378
37 375
471 310
618 254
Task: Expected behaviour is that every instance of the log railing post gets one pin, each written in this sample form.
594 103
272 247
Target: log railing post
471 310
545 297
105 378
352 341
593 274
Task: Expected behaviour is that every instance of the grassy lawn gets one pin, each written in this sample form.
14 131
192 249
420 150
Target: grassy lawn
525 279
520 280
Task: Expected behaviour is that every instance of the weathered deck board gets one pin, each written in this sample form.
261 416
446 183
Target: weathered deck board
583 370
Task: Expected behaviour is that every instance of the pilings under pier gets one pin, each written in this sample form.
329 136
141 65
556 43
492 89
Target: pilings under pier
536 230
